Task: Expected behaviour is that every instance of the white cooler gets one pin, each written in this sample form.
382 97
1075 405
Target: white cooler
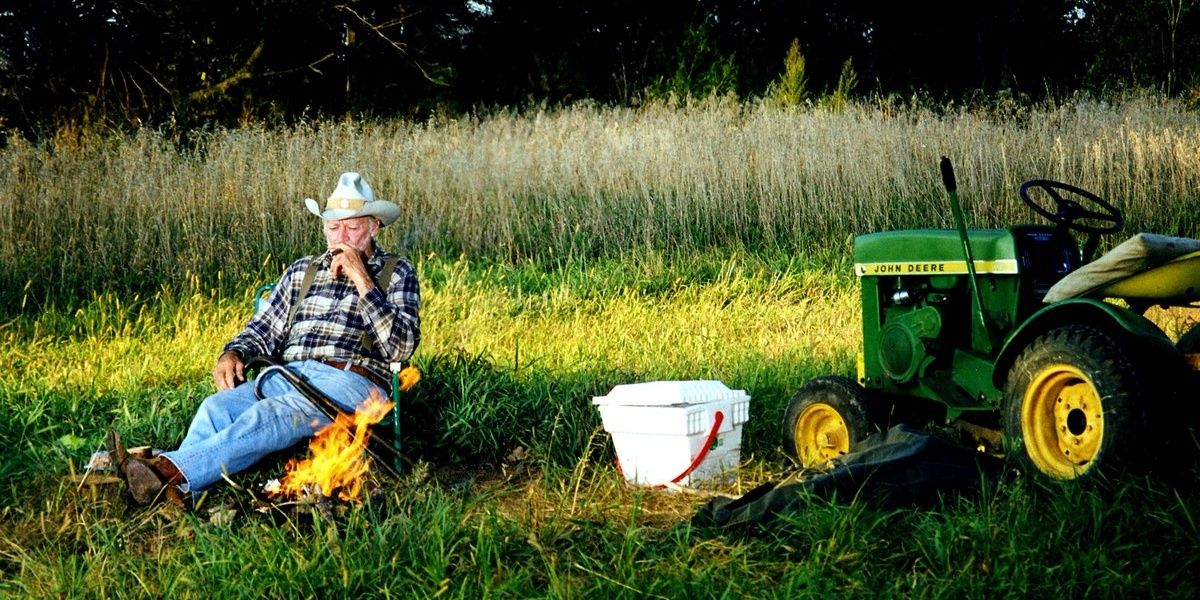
680 432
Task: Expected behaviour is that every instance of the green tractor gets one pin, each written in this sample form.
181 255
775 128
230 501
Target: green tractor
1018 336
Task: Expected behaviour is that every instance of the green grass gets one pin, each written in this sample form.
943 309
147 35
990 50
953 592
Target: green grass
1023 540
512 357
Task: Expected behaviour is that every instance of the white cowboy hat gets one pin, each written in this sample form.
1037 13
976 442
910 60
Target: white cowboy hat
353 198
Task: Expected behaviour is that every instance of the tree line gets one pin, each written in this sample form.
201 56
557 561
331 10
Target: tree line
130 63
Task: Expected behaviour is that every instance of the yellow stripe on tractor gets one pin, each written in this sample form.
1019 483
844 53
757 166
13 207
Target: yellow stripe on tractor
944 267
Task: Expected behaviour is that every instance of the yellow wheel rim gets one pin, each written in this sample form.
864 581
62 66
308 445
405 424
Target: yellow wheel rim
1062 421
820 434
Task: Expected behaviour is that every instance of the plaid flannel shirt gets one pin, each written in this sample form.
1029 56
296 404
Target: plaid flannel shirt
331 319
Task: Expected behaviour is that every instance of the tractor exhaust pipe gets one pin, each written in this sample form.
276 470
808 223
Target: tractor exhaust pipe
981 337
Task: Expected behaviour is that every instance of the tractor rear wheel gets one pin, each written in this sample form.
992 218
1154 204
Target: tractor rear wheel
1177 421
1073 403
825 419
1189 343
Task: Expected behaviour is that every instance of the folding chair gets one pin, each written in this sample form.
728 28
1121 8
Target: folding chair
391 422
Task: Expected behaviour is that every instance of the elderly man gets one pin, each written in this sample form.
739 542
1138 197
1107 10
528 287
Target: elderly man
336 320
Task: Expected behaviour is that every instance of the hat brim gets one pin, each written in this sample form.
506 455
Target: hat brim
387 212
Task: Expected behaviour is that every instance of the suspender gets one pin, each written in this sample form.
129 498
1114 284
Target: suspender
310 273
385 279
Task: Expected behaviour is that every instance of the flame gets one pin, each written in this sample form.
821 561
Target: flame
409 376
337 458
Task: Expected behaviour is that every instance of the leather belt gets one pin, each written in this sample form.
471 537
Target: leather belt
361 370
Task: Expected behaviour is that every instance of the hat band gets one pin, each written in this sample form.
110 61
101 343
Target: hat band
344 203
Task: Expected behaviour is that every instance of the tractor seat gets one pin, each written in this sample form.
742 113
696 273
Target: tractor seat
1147 266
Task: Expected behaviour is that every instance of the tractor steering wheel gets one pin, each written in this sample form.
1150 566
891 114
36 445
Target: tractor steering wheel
1072 214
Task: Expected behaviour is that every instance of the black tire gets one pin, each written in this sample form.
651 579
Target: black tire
1075 404
826 418
1189 343
1189 352
1177 419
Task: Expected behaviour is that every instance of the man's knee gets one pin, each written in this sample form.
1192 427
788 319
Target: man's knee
226 403
292 412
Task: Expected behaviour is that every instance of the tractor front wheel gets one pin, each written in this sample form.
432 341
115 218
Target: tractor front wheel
1073 403
825 419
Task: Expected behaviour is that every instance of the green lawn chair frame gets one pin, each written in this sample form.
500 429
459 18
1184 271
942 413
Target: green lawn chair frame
391 422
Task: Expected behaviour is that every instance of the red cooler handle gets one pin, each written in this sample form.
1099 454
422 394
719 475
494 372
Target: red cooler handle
718 418
712 435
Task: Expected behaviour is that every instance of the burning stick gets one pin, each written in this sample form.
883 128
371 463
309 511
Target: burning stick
337 461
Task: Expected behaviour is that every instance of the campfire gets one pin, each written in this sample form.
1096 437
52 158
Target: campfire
338 462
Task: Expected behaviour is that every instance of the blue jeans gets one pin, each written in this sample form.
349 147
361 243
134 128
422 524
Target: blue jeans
233 429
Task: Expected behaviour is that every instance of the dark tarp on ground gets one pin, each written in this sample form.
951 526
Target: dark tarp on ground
903 466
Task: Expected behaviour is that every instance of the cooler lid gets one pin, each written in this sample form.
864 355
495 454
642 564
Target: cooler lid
668 393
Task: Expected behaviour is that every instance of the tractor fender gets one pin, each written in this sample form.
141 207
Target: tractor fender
1079 311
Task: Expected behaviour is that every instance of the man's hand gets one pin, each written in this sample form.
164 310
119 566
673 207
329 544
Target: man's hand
348 261
229 371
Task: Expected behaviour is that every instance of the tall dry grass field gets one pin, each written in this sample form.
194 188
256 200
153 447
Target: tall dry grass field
84 211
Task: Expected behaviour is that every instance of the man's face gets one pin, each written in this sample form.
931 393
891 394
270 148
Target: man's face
356 232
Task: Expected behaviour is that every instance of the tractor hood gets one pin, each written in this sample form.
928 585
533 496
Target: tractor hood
933 252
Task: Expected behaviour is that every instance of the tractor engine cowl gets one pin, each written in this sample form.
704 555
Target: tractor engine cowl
902 350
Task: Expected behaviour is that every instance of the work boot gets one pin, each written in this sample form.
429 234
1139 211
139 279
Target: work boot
166 469
145 483
172 478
